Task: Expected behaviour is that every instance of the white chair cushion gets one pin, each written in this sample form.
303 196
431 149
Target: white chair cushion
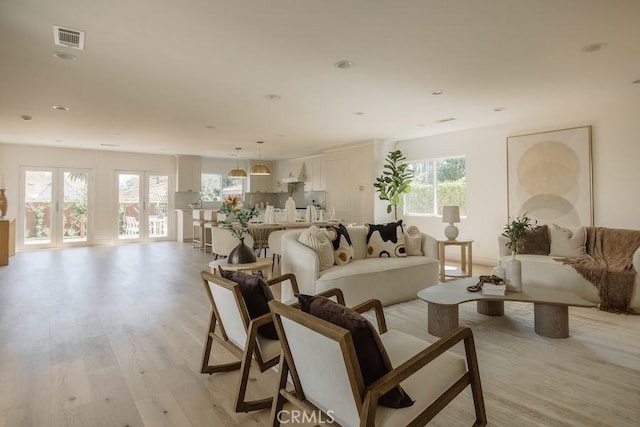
426 385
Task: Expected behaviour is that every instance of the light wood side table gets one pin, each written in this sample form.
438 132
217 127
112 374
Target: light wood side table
261 264
466 257
7 239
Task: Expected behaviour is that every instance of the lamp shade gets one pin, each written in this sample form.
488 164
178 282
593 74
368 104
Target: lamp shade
450 214
237 173
260 169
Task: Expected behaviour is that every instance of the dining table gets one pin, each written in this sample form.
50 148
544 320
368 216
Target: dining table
260 231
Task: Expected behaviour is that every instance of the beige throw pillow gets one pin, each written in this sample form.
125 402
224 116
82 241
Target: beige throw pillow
413 241
567 241
318 240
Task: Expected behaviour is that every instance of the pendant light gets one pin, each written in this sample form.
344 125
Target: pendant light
260 168
237 172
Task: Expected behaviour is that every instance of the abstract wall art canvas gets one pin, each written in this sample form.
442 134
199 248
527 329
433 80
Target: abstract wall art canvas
549 176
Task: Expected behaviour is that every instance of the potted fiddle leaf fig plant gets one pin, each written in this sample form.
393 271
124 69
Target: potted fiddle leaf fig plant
394 181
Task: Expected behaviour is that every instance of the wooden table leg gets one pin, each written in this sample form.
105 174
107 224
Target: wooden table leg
442 319
463 259
470 261
490 308
551 320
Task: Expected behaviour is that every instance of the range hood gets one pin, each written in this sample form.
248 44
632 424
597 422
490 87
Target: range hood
301 177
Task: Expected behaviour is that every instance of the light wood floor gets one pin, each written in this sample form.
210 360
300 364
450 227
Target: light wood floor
112 336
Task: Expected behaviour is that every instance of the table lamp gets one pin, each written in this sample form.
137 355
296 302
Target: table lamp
451 215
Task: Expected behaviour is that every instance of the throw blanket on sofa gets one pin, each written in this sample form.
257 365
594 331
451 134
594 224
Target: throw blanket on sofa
608 265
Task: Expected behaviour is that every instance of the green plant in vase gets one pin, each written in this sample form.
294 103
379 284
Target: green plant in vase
395 181
516 229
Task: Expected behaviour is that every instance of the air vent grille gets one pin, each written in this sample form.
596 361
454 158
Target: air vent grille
68 37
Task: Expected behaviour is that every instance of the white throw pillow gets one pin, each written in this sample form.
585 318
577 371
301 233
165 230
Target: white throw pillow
413 241
317 239
567 241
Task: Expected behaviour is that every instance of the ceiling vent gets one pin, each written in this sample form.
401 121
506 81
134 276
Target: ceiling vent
68 37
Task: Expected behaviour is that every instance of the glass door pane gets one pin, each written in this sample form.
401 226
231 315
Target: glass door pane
38 198
128 206
75 202
157 205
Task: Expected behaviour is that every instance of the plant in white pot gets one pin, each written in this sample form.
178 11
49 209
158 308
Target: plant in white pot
515 230
395 181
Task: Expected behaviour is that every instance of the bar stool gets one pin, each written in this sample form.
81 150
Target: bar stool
210 221
198 223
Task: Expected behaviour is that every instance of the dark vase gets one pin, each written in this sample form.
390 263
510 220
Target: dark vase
241 254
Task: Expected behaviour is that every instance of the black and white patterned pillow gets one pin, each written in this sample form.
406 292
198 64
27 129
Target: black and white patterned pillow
342 247
385 240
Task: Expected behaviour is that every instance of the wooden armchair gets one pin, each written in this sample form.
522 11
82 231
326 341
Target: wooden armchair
238 333
322 362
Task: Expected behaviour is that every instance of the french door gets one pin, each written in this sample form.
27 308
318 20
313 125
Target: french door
55 210
143 205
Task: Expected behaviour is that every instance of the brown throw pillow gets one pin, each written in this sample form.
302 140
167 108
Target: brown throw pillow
256 294
537 242
372 357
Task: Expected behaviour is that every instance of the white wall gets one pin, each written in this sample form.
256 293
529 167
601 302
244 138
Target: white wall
616 170
103 164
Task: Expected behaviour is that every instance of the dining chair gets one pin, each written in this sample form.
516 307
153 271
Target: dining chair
223 241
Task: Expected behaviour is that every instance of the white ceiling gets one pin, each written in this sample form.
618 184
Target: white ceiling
155 73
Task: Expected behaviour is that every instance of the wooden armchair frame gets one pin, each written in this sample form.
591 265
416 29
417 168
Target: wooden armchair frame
366 398
251 350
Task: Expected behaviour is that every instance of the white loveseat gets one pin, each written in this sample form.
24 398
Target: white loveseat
389 280
545 271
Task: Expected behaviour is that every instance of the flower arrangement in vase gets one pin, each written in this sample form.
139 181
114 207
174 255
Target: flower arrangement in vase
236 220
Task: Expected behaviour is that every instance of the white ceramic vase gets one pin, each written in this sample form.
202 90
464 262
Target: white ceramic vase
290 210
513 274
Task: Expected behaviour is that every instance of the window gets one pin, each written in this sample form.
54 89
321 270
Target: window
215 186
436 183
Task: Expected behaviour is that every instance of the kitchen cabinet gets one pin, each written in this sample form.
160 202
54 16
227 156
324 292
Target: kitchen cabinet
188 173
261 183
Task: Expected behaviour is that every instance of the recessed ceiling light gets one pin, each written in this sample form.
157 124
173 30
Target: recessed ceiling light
448 119
437 92
65 56
110 145
25 117
499 109
594 47
60 108
343 65
59 140
635 82
420 125
209 126
282 135
273 97
359 113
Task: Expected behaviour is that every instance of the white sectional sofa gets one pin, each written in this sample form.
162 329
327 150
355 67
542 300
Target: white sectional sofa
545 271
390 280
